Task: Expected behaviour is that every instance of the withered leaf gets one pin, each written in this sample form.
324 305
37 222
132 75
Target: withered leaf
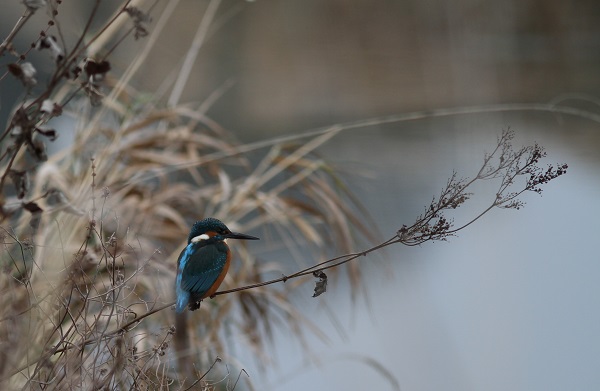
51 43
321 285
32 207
37 149
24 72
94 68
21 181
15 70
50 133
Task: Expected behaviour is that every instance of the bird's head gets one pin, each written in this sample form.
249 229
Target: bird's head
211 227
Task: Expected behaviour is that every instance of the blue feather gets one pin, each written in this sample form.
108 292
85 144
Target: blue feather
183 297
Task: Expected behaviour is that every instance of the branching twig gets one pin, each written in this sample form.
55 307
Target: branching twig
503 164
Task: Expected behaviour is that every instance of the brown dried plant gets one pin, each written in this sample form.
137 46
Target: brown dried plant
91 234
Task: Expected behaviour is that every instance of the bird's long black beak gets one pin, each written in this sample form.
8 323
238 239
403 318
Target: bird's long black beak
237 235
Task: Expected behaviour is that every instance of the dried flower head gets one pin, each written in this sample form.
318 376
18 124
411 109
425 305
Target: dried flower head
50 43
25 72
34 5
140 19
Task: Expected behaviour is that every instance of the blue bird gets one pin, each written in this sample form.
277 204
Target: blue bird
203 263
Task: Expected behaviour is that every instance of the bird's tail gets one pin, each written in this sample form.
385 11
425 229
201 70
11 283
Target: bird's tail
183 299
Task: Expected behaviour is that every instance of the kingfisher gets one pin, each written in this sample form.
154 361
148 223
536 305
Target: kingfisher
203 263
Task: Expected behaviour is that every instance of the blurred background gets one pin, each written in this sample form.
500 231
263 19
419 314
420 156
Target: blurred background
512 302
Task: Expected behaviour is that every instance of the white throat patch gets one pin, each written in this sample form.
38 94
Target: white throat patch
200 238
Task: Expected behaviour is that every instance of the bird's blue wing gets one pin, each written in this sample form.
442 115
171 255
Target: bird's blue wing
198 267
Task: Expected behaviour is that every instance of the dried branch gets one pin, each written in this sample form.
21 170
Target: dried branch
504 164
